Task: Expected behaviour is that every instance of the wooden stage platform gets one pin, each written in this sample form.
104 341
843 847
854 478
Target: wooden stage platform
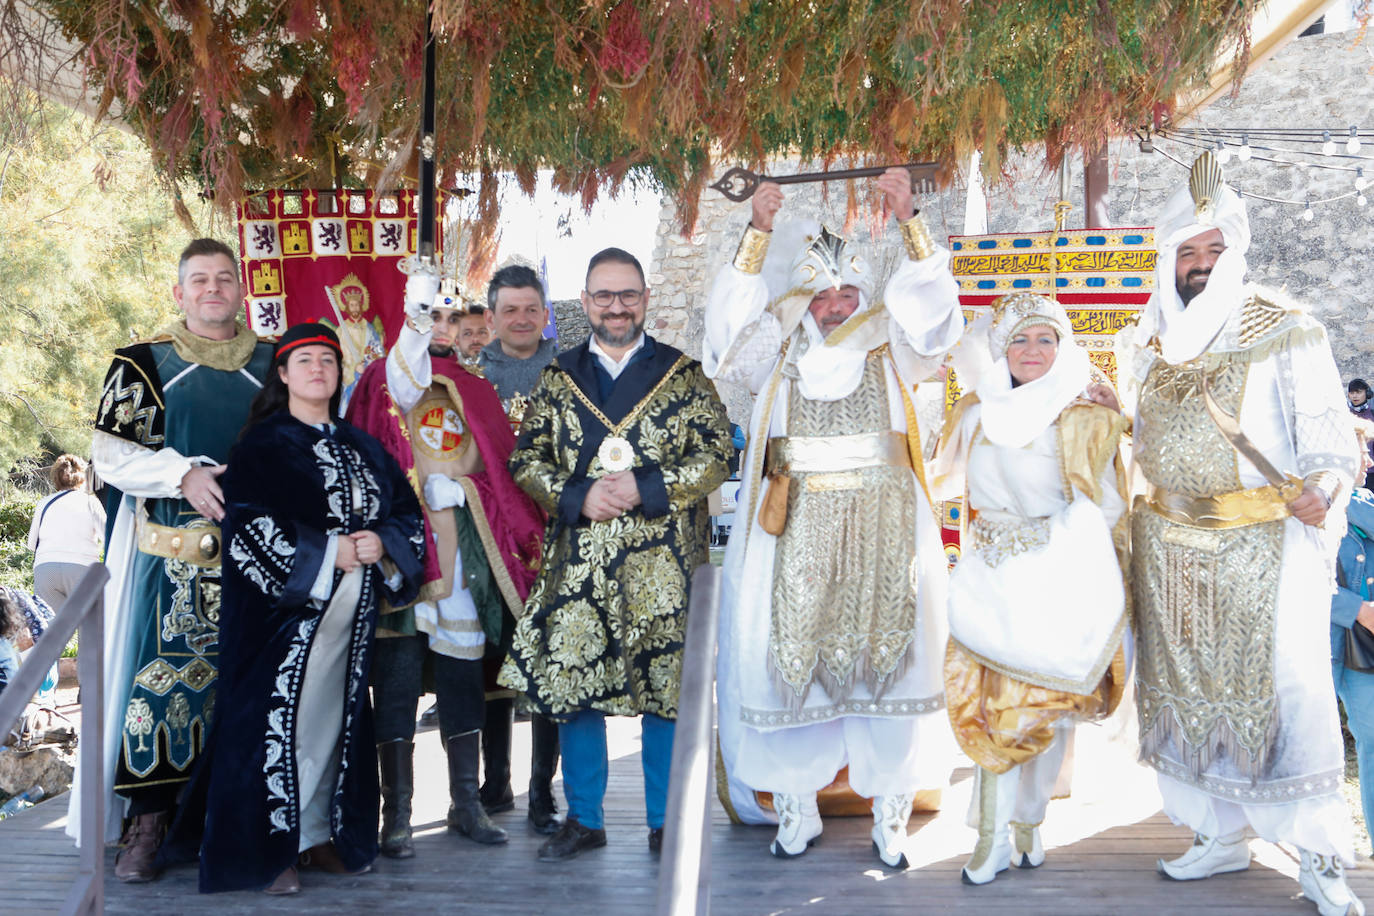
1102 845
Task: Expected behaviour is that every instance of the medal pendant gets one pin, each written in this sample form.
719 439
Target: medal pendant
515 409
616 454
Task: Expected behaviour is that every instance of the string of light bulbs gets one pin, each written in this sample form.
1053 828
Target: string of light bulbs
1331 159
1327 138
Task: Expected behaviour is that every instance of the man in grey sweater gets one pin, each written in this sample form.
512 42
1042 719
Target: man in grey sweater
517 313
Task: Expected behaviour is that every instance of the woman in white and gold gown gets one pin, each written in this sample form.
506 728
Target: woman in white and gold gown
1038 623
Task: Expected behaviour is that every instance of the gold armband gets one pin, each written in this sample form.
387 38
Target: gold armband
1326 481
752 248
919 244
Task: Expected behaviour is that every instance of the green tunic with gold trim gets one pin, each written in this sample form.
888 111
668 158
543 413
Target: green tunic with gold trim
603 627
166 403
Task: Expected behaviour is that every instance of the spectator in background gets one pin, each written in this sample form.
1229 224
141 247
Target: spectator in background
473 333
23 619
12 630
1352 620
67 534
1357 396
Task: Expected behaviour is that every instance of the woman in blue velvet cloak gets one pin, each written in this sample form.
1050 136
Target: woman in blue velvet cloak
321 526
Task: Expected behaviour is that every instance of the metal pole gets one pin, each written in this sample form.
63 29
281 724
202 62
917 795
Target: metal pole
1062 208
426 224
91 672
684 880
85 608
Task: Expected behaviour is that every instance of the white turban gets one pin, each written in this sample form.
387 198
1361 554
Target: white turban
1013 415
1185 331
804 259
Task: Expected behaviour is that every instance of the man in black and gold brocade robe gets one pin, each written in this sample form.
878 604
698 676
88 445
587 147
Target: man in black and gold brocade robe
623 439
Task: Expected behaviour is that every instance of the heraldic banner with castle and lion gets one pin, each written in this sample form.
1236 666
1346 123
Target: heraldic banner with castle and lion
331 256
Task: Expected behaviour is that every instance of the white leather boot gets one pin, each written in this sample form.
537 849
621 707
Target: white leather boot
799 824
1208 856
1026 851
890 814
996 797
1323 882
1037 785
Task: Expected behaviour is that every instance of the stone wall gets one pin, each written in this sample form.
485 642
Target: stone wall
571 322
1318 81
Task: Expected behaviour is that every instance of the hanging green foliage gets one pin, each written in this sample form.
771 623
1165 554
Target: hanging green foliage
275 92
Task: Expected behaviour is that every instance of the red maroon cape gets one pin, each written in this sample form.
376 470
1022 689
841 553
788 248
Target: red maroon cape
516 522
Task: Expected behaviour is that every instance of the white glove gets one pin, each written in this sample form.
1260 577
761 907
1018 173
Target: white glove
421 288
444 492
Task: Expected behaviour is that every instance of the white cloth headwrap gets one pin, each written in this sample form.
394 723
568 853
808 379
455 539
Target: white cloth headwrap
794 275
1013 416
1185 331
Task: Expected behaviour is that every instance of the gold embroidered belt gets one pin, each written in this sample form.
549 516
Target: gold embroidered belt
199 545
823 454
832 462
1225 510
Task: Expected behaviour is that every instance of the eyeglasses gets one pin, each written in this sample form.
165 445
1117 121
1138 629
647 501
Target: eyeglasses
628 297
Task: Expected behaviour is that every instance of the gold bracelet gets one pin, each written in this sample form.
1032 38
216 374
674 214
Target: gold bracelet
752 248
919 244
1326 481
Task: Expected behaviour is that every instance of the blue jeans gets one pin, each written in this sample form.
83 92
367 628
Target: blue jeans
586 765
1356 692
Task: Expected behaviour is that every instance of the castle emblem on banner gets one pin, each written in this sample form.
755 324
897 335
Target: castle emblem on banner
329 255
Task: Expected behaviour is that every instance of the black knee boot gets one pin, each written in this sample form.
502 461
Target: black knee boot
396 760
543 761
496 792
465 813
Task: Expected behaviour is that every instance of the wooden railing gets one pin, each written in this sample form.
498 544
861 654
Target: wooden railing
84 609
684 878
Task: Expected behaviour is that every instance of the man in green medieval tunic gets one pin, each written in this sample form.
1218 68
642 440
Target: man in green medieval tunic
623 440
169 411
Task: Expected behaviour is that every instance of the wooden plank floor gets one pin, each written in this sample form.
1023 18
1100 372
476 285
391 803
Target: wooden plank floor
1102 845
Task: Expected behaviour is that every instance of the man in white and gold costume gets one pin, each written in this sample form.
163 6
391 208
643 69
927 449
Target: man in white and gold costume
1243 441
833 604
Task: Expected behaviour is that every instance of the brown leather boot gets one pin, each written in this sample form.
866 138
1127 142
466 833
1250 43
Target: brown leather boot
135 862
325 857
288 882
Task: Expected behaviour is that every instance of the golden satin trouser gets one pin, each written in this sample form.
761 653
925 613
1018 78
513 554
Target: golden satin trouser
1001 722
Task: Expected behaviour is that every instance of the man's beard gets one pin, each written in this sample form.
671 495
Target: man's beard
829 325
1186 290
607 339
441 350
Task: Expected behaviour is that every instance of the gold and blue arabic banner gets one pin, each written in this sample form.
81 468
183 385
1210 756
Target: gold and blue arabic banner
1102 277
